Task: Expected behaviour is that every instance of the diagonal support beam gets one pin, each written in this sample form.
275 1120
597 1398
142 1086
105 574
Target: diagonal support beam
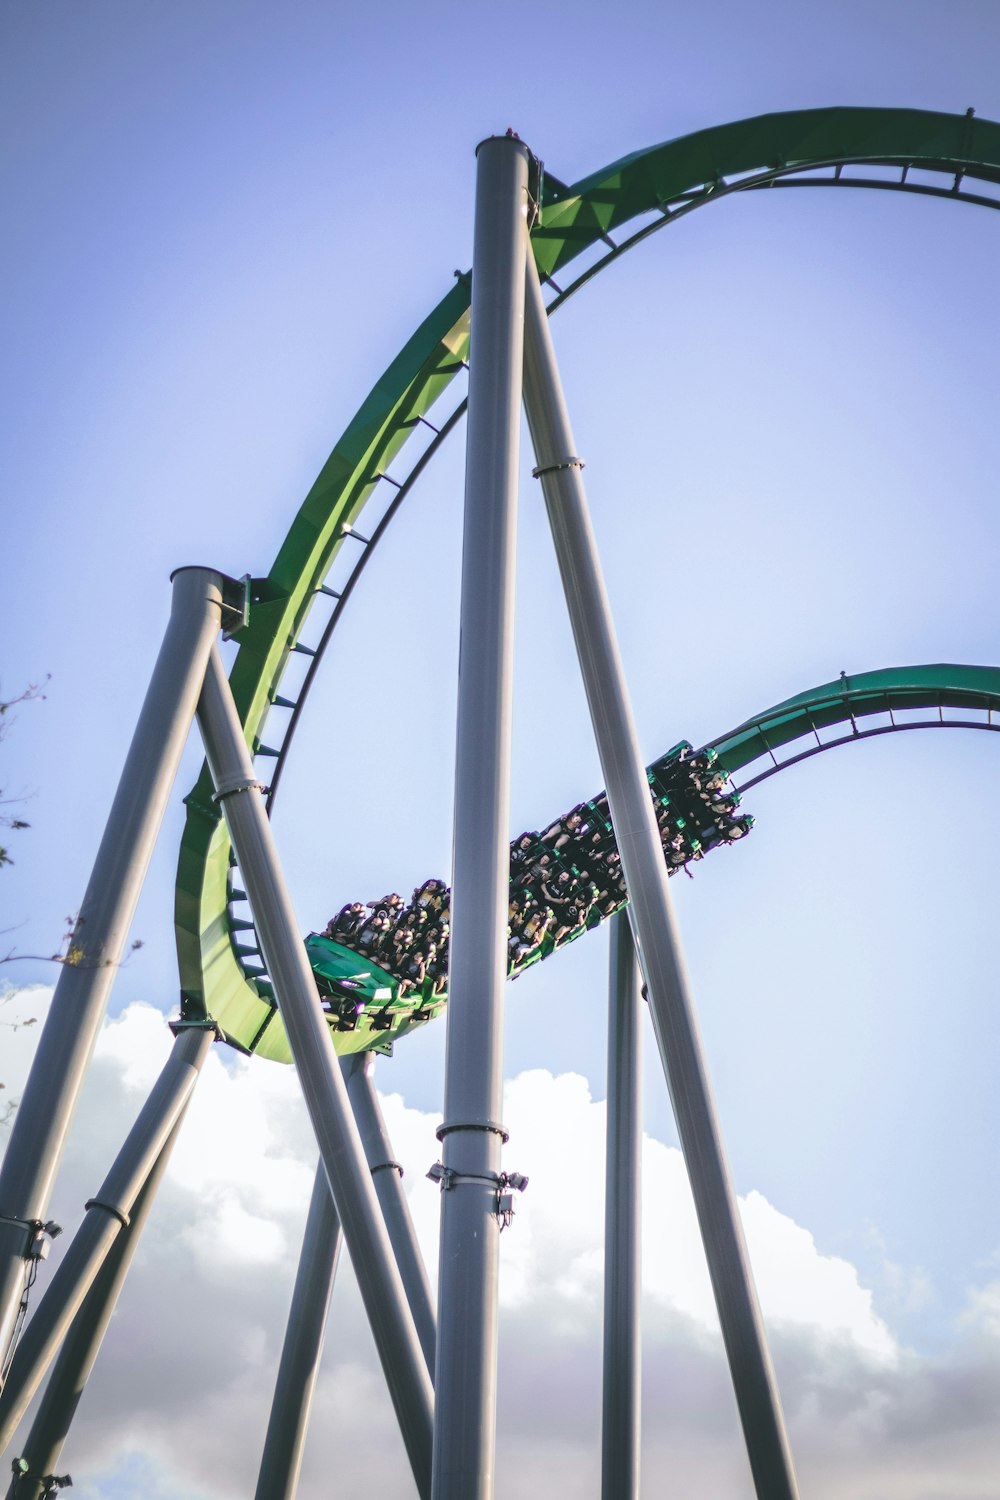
293 1392
651 909
108 1214
71 1371
387 1175
81 996
240 794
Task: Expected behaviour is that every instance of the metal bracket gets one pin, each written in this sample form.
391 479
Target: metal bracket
239 784
36 1246
489 1125
204 1023
536 189
109 1208
235 605
565 463
506 1184
49 1482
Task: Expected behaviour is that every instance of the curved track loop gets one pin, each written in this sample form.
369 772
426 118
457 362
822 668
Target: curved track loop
584 228
953 697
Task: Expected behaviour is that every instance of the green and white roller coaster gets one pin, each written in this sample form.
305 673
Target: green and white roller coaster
248 977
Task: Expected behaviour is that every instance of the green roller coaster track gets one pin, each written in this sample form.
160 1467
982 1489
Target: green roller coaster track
579 231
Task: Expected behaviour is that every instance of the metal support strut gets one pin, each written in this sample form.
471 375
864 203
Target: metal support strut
319 1073
622 1222
81 995
293 1392
651 909
466 1363
71 1371
387 1175
107 1216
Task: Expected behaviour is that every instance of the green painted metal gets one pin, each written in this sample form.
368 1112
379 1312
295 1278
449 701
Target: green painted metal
664 181
851 700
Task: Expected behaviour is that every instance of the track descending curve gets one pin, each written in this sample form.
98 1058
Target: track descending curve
872 703
579 231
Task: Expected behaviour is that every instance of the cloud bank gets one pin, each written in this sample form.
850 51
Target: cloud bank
178 1404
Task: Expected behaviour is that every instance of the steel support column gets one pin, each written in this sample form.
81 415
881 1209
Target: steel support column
622 1222
465 1412
107 1215
293 1392
71 1371
323 1086
651 910
387 1176
81 995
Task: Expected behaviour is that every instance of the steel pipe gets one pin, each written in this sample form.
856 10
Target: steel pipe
284 1443
622 1223
107 1215
387 1175
466 1362
651 909
71 1371
81 995
240 795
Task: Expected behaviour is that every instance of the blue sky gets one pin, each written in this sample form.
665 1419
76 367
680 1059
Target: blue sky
223 222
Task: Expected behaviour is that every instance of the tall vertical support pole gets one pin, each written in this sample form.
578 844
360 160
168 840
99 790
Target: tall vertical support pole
466 1363
293 1392
71 1371
100 932
387 1175
622 1222
240 794
108 1214
651 911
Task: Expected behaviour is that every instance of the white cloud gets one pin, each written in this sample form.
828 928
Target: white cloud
179 1401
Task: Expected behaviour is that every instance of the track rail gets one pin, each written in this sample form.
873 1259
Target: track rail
581 230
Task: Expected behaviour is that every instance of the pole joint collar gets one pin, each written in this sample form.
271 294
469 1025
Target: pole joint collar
204 1024
554 468
109 1208
386 1166
235 785
491 1126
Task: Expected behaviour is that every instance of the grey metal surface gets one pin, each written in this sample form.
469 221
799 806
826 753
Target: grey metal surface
622 1222
99 936
387 1176
42 1448
465 1413
284 1443
651 910
107 1215
319 1073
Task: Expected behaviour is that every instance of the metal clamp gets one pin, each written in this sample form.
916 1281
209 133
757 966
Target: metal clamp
238 784
34 1224
49 1482
492 1126
566 463
449 1177
36 1247
505 1183
203 1024
235 605
109 1208
386 1166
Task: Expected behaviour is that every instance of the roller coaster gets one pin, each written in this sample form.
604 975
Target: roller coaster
239 979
